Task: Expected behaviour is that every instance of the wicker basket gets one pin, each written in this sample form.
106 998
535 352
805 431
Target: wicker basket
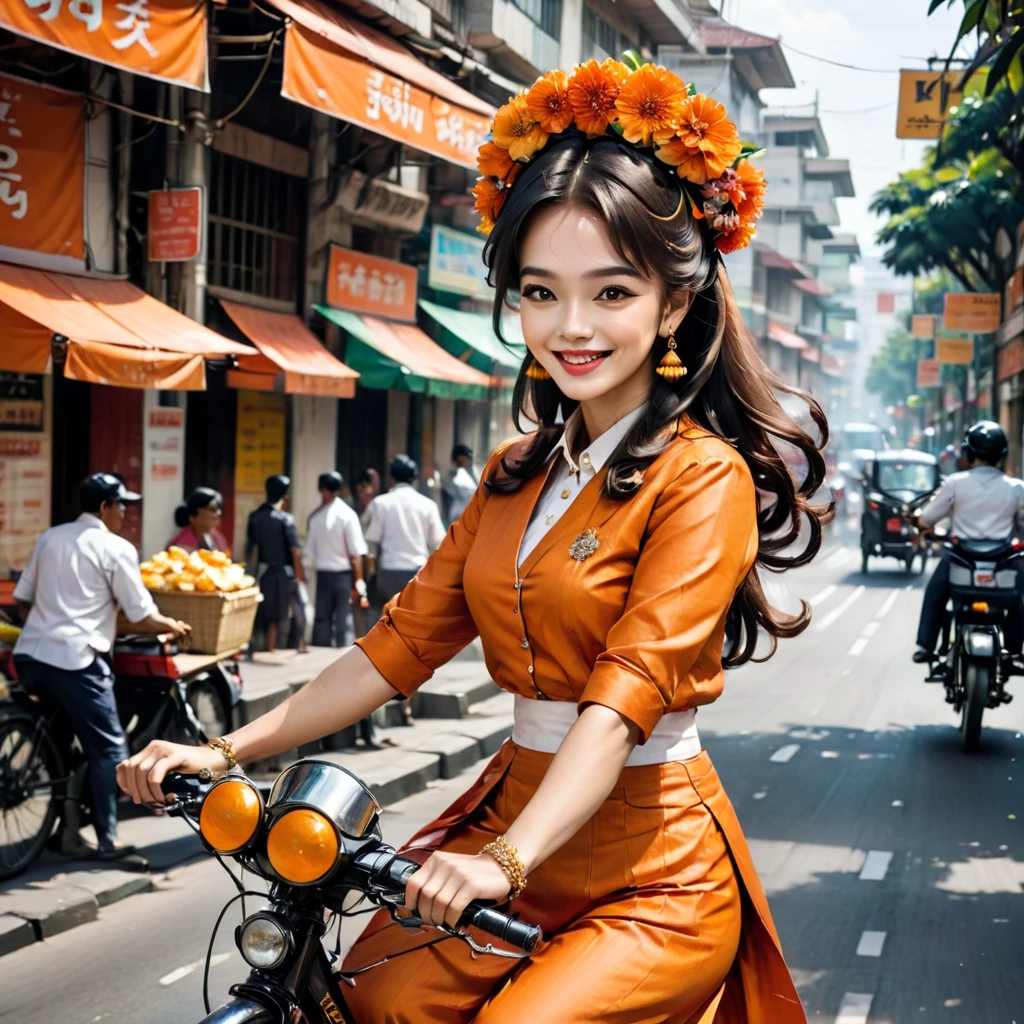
220 622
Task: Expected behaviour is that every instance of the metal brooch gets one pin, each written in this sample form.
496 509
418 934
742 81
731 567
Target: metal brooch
585 545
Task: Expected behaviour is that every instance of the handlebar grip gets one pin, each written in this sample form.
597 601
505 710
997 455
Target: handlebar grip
501 926
183 786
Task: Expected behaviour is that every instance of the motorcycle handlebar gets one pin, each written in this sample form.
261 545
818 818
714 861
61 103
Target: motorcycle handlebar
392 873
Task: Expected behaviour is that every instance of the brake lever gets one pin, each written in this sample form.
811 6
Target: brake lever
417 922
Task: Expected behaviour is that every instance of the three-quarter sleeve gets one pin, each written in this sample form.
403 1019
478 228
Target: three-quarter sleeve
700 543
429 622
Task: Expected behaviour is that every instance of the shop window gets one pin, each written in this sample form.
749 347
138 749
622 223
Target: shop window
256 217
600 38
546 14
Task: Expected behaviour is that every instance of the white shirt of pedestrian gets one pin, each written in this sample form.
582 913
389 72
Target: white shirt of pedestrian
78 575
984 502
567 477
406 526
334 537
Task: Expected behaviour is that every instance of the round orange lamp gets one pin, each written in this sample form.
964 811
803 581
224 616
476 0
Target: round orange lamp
231 815
302 846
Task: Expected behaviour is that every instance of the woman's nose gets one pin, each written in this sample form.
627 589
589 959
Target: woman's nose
576 326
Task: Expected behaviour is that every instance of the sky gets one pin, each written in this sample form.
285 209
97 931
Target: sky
881 34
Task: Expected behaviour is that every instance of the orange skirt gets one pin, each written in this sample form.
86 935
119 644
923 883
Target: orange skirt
652 912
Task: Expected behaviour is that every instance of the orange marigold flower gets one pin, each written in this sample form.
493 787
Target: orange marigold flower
517 130
704 126
549 104
688 161
593 90
650 104
753 187
738 238
489 199
494 162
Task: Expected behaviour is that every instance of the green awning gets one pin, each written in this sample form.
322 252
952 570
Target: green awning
400 357
470 338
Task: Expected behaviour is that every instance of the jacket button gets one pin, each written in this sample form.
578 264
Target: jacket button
529 668
515 611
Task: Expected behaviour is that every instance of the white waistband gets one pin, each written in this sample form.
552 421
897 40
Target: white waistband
542 725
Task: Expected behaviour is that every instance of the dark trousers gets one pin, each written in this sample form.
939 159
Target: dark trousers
933 611
87 697
332 620
387 584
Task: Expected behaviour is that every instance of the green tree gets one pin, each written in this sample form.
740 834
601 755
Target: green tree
996 26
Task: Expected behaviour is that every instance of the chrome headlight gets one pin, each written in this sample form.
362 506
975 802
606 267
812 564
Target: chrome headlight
263 941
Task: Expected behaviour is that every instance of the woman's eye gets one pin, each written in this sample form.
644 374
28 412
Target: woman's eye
613 293
536 291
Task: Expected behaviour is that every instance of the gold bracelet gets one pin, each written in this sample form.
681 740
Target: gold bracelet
225 749
510 862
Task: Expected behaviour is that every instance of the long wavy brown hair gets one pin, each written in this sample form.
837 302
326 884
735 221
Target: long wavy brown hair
729 391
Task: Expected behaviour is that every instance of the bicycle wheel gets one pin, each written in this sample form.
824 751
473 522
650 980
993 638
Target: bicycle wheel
29 766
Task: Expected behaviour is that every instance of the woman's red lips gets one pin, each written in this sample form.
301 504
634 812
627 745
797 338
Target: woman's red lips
580 361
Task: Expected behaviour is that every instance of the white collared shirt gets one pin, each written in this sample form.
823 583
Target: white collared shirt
567 478
78 575
407 527
985 503
334 537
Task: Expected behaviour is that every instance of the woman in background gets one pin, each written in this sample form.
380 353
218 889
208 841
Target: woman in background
198 520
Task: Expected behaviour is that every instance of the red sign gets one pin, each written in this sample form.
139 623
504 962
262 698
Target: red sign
886 302
369 284
928 373
175 225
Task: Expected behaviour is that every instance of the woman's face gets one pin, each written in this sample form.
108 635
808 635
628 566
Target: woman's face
206 519
589 318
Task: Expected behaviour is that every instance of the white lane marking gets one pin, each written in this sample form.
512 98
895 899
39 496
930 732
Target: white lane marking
871 629
871 944
822 596
876 864
184 972
858 647
855 1008
784 754
887 605
837 613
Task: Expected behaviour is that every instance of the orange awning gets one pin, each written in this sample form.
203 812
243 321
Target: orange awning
124 367
291 357
358 74
35 305
408 345
785 337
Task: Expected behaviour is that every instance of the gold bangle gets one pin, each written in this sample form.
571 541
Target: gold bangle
510 862
226 749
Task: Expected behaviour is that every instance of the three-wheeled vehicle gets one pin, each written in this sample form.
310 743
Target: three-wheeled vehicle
900 483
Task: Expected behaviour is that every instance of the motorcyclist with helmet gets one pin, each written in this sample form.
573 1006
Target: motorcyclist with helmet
983 503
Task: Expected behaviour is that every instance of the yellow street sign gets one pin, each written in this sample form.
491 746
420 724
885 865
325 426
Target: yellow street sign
954 351
925 99
972 312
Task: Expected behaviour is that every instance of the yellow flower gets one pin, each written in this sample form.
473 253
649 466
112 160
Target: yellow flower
517 130
549 104
650 104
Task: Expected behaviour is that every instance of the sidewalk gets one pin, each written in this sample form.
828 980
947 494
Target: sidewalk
461 718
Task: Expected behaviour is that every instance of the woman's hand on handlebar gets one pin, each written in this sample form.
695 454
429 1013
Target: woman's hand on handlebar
140 776
448 882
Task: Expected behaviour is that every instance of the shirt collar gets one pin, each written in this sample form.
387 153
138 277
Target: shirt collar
598 452
93 520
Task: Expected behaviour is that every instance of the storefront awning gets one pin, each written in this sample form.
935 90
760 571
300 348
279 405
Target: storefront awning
785 337
400 357
334 64
290 359
471 338
95 315
811 355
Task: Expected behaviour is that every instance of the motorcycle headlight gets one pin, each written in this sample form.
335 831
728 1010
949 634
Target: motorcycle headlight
263 941
231 814
302 846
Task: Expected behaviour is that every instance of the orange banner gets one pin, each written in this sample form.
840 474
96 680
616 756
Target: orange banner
42 169
922 325
163 39
954 351
326 78
371 284
972 312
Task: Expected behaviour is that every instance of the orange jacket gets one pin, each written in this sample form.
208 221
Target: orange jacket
636 626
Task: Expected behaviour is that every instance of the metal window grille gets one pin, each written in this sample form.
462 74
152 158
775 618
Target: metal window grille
255 228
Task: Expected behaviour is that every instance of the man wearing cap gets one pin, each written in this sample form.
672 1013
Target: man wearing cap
335 548
460 487
272 545
68 595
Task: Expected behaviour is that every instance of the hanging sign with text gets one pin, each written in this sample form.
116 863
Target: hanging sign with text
972 312
369 284
924 100
163 39
928 373
922 325
954 351
175 232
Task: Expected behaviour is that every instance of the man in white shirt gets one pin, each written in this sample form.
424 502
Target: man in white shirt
983 503
68 595
460 487
335 548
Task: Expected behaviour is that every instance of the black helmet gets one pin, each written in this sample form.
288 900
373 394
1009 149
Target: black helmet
100 488
277 487
987 441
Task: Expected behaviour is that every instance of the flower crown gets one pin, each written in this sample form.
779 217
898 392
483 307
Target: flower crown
649 107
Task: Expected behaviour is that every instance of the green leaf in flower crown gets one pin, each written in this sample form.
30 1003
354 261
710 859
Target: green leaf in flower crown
691 89
617 128
633 60
750 151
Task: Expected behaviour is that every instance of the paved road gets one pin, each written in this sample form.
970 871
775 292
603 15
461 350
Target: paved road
894 862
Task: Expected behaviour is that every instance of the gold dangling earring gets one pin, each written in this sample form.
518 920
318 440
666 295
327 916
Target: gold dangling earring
671 366
537 372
